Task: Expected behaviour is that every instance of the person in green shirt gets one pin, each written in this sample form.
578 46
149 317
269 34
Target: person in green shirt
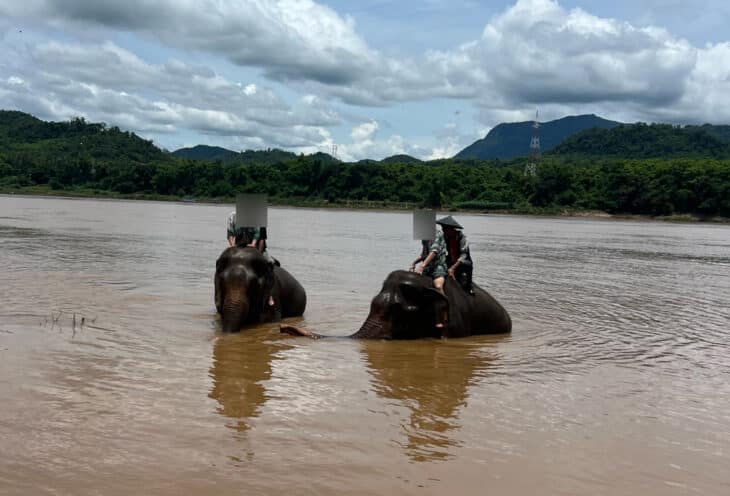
433 255
246 236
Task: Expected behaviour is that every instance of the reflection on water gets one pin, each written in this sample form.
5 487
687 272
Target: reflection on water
431 378
241 364
615 380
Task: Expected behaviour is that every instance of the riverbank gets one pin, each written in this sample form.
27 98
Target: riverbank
85 193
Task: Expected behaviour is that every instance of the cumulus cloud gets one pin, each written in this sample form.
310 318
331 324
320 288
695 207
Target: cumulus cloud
289 39
536 53
539 52
106 82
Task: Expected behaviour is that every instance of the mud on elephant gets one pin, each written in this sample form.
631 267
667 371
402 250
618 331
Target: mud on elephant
245 284
407 307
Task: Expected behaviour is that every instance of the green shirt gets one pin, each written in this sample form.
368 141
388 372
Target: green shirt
241 233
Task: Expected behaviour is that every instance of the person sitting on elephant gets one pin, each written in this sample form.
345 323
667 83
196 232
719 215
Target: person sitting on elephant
425 249
243 236
458 255
433 255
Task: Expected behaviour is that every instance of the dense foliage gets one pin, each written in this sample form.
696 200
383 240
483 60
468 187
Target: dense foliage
91 158
646 141
204 152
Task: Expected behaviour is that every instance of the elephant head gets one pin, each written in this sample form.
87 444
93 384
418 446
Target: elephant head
244 280
407 307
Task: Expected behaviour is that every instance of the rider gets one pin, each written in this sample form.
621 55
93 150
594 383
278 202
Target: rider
458 256
433 255
245 236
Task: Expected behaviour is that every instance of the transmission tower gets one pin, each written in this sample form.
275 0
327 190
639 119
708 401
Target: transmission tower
531 168
334 151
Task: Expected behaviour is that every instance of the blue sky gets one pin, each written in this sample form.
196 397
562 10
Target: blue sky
373 77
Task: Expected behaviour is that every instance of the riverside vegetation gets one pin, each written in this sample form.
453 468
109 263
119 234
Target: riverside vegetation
657 170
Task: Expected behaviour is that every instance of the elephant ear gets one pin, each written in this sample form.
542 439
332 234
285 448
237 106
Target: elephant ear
437 299
412 294
265 271
435 296
220 264
270 270
417 295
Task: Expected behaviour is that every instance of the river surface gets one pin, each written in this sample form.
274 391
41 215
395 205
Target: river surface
614 381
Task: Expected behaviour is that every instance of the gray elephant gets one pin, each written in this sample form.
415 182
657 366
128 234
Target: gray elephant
247 282
407 306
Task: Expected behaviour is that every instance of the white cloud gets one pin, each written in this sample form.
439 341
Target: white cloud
535 54
290 39
108 83
364 132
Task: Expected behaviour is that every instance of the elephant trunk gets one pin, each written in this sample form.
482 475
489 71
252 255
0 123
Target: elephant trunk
373 328
235 311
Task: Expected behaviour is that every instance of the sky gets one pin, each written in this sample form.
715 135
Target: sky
372 78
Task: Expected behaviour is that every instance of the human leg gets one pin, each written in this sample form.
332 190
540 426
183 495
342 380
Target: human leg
443 317
464 277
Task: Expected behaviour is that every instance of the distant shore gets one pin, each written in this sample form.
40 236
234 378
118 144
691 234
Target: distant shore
366 205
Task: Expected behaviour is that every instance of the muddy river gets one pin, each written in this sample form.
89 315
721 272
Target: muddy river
115 378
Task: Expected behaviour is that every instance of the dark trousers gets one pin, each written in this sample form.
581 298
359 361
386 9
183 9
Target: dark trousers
463 275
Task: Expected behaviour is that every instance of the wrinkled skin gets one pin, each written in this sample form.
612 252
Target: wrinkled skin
408 304
244 280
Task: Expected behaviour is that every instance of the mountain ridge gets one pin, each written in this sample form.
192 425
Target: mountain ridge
510 140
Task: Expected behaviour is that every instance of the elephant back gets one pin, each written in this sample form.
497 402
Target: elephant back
488 315
291 293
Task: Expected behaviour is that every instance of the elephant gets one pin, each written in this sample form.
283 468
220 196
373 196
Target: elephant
407 307
244 281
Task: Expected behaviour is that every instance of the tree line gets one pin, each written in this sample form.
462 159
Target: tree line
78 156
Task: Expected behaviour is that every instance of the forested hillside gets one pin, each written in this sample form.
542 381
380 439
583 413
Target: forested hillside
88 158
645 141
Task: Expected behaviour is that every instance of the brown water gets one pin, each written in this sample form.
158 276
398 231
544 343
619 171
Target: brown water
615 380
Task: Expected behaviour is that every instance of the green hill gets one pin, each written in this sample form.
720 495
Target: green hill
205 152
401 159
645 141
720 132
324 158
22 134
511 140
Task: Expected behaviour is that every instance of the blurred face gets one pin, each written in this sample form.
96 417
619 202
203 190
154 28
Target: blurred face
449 231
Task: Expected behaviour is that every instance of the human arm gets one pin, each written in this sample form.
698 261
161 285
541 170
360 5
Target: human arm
420 257
429 258
464 251
231 229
